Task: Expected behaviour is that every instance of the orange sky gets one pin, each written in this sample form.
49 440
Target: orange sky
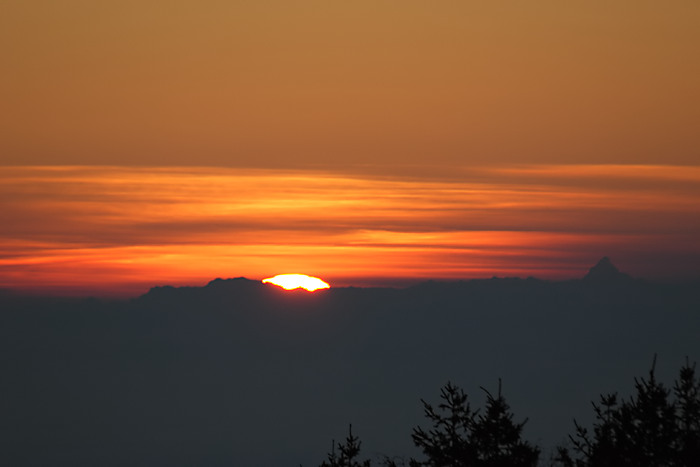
294 84
120 230
176 141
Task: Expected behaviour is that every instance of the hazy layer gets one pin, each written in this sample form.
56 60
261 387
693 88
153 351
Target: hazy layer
296 84
117 230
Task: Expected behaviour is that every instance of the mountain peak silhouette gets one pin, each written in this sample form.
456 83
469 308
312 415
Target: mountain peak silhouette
233 282
604 272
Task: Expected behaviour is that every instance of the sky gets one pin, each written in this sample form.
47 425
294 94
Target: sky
363 142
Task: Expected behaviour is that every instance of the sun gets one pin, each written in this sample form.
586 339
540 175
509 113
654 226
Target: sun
296 281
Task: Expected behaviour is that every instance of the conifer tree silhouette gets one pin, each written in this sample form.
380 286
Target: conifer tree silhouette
498 439
460 437
346 453
656 427
650 429
687 392
448 442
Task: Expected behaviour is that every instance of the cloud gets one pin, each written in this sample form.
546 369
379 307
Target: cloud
141 224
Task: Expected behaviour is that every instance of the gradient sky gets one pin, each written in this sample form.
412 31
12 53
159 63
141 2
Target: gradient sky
359 141
118 230
288 83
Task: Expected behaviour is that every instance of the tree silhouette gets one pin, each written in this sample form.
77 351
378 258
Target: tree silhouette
649 429
498 439
346 453
461 437
448 442
656 427
687 392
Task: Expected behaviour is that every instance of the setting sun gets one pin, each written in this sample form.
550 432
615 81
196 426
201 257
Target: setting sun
296 281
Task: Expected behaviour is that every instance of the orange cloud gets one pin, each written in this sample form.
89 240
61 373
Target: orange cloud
119 230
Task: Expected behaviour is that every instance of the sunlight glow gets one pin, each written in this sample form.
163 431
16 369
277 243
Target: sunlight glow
91 229
296 281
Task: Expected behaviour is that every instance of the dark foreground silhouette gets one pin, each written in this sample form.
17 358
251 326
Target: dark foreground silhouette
653 428
243 373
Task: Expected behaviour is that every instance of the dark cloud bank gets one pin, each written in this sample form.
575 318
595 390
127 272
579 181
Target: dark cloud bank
241 373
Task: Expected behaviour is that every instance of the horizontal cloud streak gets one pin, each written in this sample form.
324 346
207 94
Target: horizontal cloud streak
122 228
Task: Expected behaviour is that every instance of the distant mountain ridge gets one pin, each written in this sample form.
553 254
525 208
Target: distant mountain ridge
238 372
606 272
603 273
